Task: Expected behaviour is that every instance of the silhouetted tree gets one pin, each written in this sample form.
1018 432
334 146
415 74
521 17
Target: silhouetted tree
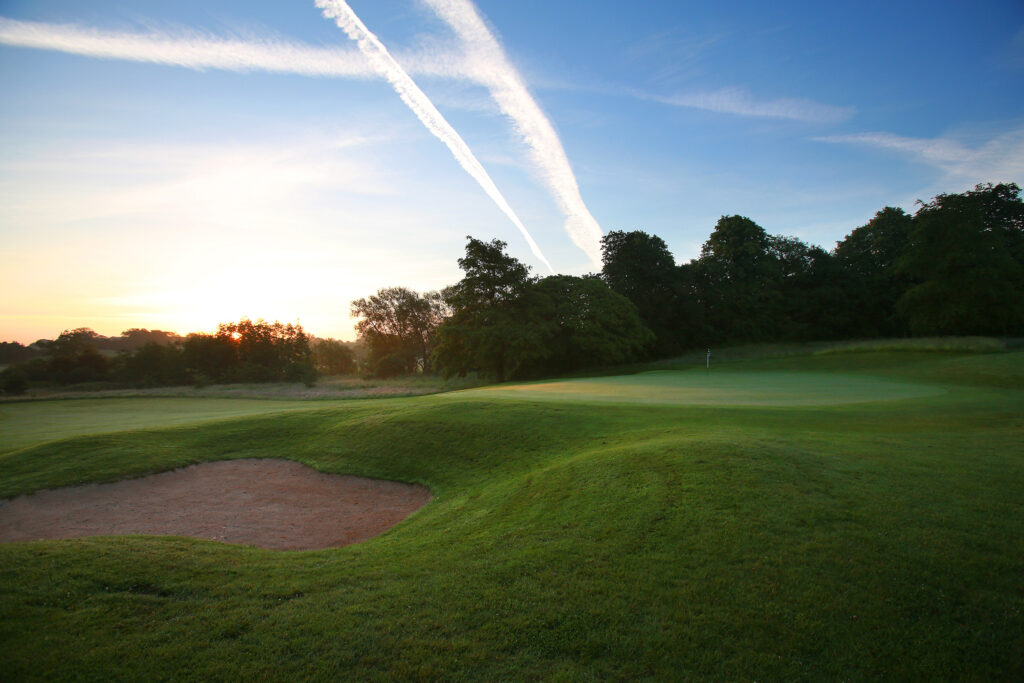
209 358
586 324
250 351
13 352
692 330
398 323
332 357
493 327
802 278
75 359
13 381
871 283
136 337
963 260
739 282
154 364
641 268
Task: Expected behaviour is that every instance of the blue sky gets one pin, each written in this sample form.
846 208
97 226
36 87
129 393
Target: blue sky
175 165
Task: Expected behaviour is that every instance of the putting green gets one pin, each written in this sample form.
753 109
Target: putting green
722 387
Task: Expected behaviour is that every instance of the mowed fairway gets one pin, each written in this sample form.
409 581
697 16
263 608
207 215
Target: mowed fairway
838 517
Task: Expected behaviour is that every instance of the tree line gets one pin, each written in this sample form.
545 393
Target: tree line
243 351
954 267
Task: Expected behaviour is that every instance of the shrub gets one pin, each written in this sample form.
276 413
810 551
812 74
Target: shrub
13 382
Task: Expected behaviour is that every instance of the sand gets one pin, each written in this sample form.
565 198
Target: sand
275 504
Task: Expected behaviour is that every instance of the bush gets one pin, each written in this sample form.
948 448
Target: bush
13 382
392 365
300 372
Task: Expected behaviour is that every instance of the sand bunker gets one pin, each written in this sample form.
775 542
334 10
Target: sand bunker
275 504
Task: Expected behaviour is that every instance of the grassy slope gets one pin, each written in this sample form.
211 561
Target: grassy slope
862 541
26 423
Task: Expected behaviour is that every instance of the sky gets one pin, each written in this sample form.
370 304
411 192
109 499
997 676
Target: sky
177 165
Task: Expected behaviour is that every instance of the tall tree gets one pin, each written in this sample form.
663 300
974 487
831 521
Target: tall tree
75 358
805 281
871 283
398 324
587 324
153 364
332 357
740 282
965 256
267 352
493 328
641 268
250 351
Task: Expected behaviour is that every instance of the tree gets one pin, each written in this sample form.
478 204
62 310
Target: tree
506 324
332 357
250 351
493 328
586 324
641 268
871 283
136 337
209 358
268 352
72 343
804 277
154 364
739 282
491 278
398 323
964 258
690 311
13 352
75 359
13 381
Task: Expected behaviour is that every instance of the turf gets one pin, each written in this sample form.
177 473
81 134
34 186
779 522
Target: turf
25 423
739 387
574 539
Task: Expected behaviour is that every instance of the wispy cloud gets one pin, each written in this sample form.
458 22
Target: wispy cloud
424 109
491 67
211 185
740 102
673 54
998 159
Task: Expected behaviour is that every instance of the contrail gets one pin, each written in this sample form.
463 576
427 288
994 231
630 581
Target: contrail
197 51
421 105
493 68
190 51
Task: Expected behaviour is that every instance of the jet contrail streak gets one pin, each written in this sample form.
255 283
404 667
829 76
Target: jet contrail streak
198 51
508 90
190 51
421 105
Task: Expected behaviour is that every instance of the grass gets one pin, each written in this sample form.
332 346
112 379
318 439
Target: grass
729 387
332 387
960 344
575 539
26 423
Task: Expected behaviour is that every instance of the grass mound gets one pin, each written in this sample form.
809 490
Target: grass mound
571 540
